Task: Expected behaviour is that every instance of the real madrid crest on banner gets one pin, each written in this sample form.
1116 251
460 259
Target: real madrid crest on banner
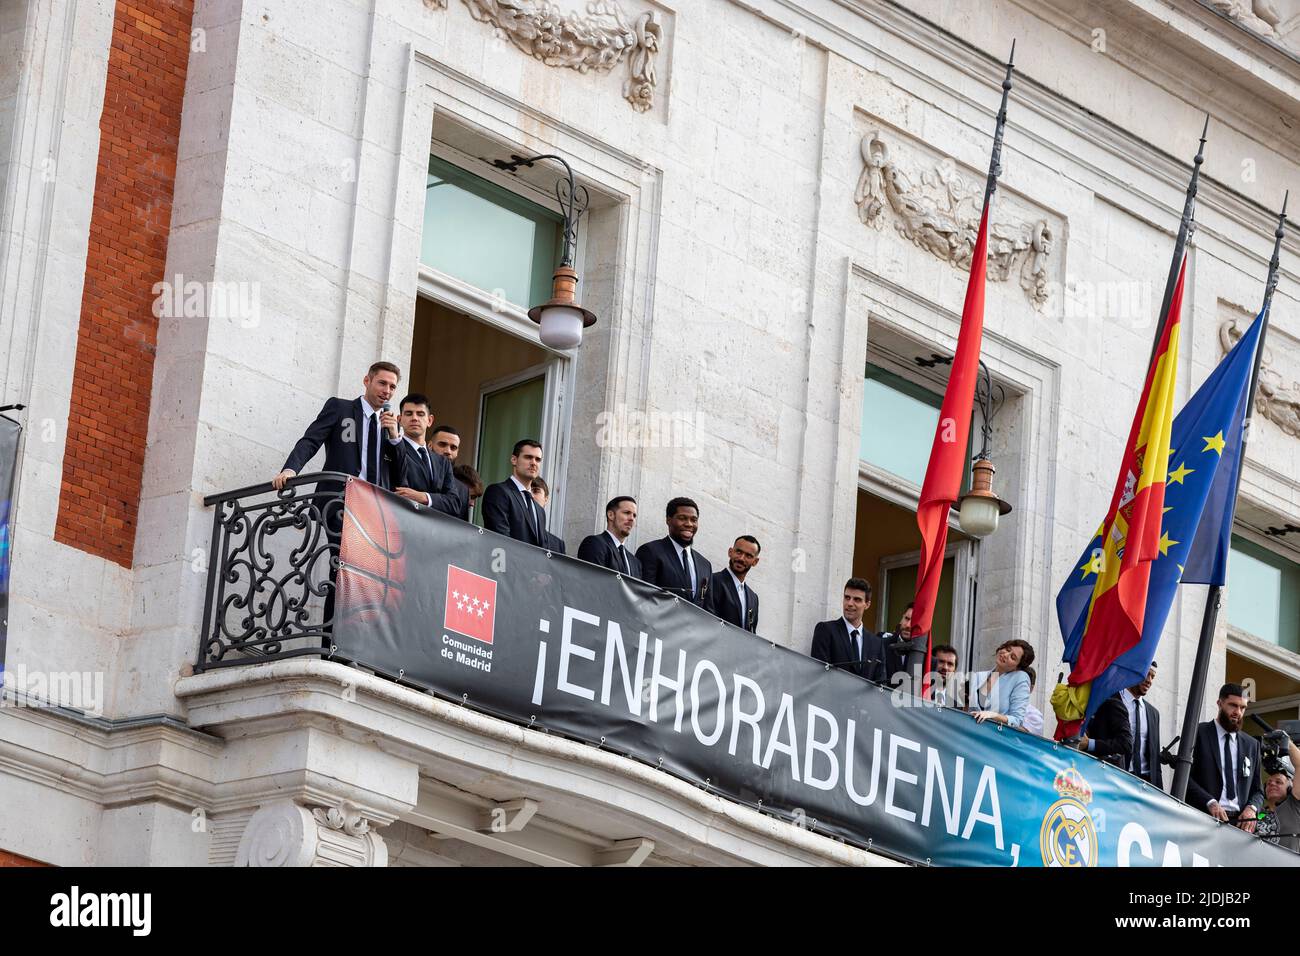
1068 837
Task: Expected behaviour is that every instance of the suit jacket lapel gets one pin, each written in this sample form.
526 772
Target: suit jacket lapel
360 421
1217 749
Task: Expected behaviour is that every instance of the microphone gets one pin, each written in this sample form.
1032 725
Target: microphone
1166 755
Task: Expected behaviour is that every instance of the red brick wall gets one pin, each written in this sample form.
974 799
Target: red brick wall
13 859
108 418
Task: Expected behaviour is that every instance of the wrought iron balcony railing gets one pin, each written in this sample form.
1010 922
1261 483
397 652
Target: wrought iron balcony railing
271 569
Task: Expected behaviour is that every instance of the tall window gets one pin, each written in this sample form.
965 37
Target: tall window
487 236
1264 594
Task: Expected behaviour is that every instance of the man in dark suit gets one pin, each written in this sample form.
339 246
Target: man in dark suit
1144 721
671 562
444 441
846 643
469 487
734 600
542 495
508 506
418 475
609 548
1107 734
360 438
1225 765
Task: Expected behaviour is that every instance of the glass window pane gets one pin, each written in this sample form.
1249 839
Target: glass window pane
901 587
1264 594
508 415
898 422
488 237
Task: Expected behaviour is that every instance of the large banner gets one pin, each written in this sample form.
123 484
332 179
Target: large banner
10 431
558 643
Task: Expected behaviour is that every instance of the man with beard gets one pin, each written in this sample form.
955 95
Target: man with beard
671 562
1225 765
733 599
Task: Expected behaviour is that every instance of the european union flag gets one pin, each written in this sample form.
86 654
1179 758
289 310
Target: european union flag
1205 456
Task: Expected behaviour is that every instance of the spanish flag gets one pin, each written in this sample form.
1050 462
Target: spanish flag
1130 534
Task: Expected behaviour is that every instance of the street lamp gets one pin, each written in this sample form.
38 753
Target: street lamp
561 319
980 508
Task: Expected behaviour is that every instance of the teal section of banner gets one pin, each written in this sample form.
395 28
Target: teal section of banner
10 432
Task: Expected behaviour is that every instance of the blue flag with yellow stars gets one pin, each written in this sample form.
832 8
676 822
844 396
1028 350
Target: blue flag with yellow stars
1205 455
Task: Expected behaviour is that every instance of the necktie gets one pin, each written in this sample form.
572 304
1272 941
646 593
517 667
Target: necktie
1229 771
532 515
428 465
622 559
857 645
372 448
1139 745
686 569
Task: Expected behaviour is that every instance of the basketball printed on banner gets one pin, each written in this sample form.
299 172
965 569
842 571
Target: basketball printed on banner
372 576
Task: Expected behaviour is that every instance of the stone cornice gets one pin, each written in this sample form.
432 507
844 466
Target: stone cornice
243 699
111 767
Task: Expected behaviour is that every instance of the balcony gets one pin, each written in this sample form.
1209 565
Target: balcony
563 729
327 758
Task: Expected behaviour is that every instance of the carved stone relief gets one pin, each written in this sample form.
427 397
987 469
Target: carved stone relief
1258 16
939 211
284 833
1276 400
597 40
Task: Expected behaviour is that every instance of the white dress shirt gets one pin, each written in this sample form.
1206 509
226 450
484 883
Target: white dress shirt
1139 722
857 647
1033 720
367 411
740 592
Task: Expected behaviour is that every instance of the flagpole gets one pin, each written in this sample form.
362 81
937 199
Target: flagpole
1186 226
995 160
1185 229
990 186
1201 668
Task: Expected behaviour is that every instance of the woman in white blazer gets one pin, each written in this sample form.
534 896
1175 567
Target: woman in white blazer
1002 694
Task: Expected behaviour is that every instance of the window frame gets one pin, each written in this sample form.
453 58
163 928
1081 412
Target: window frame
479 304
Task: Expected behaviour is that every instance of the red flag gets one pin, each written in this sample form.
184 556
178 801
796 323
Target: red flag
951 438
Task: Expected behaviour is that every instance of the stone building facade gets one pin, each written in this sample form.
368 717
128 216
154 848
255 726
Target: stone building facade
217 213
